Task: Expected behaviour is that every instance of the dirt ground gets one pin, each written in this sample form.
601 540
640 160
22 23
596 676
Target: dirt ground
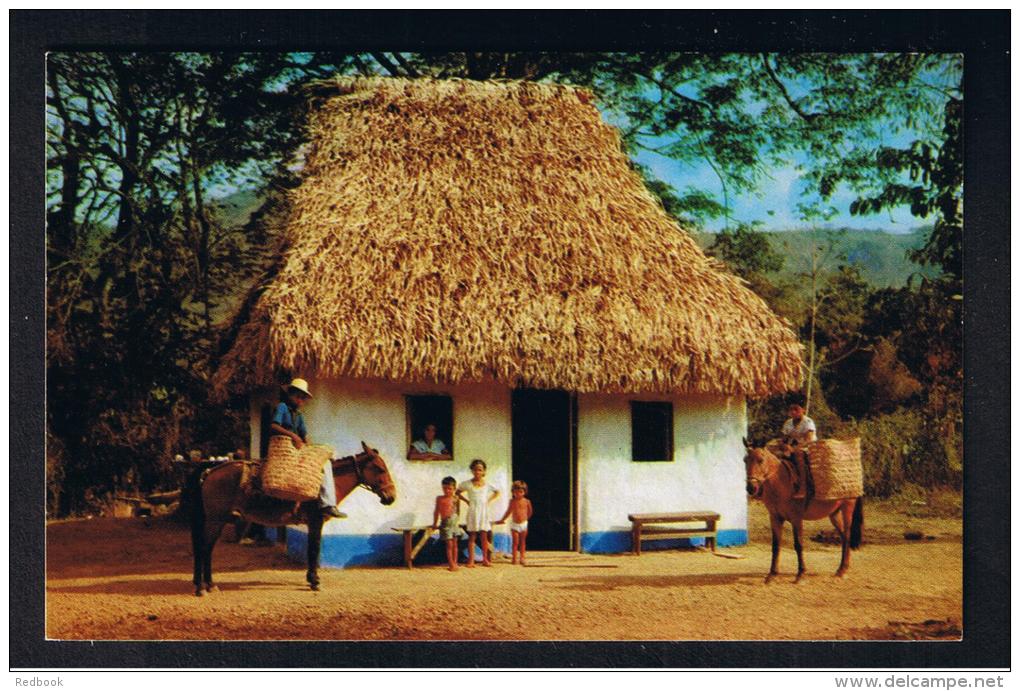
128 579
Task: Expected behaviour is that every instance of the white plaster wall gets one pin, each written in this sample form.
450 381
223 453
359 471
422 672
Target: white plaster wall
342 413
706 473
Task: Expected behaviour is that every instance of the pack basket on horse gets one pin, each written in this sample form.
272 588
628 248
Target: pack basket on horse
214 494
772 480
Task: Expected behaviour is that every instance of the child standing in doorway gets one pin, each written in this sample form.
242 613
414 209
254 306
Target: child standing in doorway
445 518
519 511
478 494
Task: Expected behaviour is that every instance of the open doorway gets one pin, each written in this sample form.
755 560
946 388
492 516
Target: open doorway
544 440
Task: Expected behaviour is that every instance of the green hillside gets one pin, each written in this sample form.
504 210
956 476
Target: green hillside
881 256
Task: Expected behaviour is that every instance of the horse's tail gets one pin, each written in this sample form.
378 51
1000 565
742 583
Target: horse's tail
857 524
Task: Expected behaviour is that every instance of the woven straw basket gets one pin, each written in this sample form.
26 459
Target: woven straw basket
836 468
292 474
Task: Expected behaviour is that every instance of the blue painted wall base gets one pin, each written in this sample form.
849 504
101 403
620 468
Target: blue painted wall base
616 541
349 550
339 550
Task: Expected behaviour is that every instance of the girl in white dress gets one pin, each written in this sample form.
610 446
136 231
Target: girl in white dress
478 495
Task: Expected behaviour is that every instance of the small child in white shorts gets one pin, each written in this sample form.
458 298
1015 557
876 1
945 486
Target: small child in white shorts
519 511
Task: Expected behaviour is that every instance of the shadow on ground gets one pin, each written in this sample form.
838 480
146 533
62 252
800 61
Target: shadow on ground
145 587
605 583
134 547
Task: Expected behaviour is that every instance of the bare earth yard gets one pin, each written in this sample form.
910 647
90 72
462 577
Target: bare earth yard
123 579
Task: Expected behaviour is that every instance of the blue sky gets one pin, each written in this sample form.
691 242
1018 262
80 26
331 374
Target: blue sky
774 205
776 201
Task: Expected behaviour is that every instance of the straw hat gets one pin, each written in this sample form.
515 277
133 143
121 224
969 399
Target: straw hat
301 385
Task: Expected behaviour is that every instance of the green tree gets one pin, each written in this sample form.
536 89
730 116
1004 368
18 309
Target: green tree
140 263
747 251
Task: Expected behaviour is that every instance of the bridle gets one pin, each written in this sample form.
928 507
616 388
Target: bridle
759 482
359 473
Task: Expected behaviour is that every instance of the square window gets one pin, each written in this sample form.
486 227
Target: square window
429 411
651 429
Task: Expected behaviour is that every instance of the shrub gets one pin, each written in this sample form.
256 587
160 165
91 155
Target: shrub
888 443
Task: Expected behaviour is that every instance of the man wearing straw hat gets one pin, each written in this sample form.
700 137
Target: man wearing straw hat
288 421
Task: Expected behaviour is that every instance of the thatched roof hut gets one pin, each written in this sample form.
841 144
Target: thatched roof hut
458 231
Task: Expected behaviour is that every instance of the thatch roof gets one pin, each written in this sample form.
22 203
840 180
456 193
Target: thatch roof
453 231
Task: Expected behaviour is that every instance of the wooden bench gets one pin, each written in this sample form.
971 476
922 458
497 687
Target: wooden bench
648 526
412 546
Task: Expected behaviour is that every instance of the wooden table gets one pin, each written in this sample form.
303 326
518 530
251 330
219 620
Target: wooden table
648 526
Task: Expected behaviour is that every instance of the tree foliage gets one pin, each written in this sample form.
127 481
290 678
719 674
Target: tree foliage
145 264
746 251
140 263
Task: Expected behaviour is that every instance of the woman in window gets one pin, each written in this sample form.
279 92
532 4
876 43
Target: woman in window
428 448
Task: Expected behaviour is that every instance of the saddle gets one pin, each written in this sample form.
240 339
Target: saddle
791 467
251 472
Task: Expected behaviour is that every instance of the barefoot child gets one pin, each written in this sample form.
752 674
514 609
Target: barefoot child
520 511
478 494
445 517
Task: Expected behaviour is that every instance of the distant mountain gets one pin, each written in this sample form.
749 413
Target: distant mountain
235 209
881 256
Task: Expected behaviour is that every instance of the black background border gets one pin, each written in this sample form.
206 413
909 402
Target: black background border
983 38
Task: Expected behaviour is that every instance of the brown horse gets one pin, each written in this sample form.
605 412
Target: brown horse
772 480
213 494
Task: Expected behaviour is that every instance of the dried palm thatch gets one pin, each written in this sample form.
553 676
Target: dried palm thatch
454 231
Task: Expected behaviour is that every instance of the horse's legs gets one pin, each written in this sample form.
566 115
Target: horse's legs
314 544
212 534
198 551
846 510
837 522
197 523
777 540
798 527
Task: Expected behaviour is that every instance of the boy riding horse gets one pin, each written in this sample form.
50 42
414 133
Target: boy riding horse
798 431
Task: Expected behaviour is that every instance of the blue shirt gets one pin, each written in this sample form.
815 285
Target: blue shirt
291 420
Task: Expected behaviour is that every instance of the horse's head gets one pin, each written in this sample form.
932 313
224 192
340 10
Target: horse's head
759 465
375 475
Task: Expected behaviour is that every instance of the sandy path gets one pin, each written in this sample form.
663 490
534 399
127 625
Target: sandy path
111 579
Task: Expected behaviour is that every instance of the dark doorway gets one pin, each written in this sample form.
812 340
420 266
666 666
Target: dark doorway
543 456
265 420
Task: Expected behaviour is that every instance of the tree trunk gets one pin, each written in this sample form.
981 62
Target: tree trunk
204 250
124 233
811 331
62 231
